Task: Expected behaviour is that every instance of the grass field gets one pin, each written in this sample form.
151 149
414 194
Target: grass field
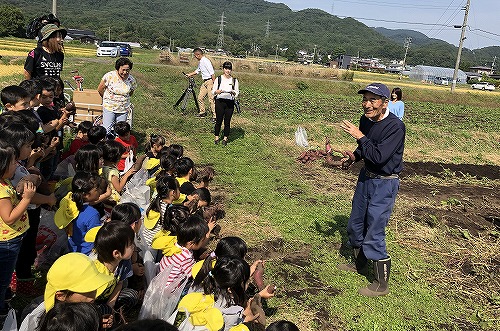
444 235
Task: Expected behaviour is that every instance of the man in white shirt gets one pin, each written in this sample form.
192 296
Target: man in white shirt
208 76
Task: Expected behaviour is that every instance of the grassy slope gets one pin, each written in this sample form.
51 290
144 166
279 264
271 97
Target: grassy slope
267 195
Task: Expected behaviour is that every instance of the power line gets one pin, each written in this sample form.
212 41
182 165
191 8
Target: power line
393 4
439 19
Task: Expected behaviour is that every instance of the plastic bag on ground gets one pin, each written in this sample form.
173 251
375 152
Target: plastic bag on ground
301 137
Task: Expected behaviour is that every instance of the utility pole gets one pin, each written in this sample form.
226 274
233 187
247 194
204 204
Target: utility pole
109 33
220 38
407 45
54 7
493 64
462 38
268 26
276 55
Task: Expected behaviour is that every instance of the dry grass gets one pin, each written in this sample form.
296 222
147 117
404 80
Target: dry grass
9 70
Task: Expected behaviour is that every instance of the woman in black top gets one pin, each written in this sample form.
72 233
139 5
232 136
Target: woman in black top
47 59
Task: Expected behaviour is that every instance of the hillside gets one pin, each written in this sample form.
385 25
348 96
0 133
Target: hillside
156 22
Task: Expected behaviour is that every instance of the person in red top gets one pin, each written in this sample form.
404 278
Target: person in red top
125 138
81 139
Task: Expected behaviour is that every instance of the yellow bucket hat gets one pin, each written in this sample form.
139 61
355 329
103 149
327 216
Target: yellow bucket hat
91 234
75 272
151 218
152 163
164 241
202 311
197 267
66 212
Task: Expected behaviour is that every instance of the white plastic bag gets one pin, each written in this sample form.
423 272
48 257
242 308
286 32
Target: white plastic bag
160 301
137 191
301 137
129 161
10 323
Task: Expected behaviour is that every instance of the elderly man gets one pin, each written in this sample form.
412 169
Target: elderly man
208 75
380 139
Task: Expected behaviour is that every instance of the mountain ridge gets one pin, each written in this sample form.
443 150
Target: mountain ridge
157 21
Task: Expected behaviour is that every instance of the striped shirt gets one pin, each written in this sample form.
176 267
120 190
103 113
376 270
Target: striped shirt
148 234
181 264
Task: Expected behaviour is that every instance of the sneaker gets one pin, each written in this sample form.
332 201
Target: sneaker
213 119
224 142
201 115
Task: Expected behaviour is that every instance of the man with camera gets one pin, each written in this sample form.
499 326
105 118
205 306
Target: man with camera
208 75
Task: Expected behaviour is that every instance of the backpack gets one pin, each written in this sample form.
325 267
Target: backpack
236 101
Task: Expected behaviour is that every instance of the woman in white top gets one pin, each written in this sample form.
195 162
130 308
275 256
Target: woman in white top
225 90
116 88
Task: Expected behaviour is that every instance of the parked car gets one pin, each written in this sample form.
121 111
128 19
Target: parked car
108 49
125 49
441 81
483 86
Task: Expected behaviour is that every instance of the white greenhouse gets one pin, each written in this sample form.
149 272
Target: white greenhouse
437 75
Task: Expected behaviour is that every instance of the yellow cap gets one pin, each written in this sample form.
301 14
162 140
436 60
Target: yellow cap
91 234
75 272
201 311
151 219
239 327
66 212
164 241
197 267
152 163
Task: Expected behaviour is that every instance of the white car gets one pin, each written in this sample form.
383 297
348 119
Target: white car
108 49
483 86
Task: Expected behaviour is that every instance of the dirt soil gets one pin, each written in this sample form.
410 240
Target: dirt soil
468 205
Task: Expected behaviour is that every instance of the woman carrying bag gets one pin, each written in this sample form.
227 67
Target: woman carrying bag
225 90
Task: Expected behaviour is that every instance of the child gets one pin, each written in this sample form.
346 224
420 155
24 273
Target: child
96 134
81 138
13 218
22 139
167 164
54 122
75 212
15 98
34 90
72 278
175 150
185 169
205 176
111 153
114 242
227 247
133 269
75 316
128 141
191 236
167 191
282 325
154 146
226 284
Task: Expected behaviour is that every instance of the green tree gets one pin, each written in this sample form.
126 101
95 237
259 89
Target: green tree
11 21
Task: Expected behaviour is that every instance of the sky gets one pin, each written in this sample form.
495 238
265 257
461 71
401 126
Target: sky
434 18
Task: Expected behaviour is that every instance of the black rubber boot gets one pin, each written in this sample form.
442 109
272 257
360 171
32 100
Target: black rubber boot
380 286
358 264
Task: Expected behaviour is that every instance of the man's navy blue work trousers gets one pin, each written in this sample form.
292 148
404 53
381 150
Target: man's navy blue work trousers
371 209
